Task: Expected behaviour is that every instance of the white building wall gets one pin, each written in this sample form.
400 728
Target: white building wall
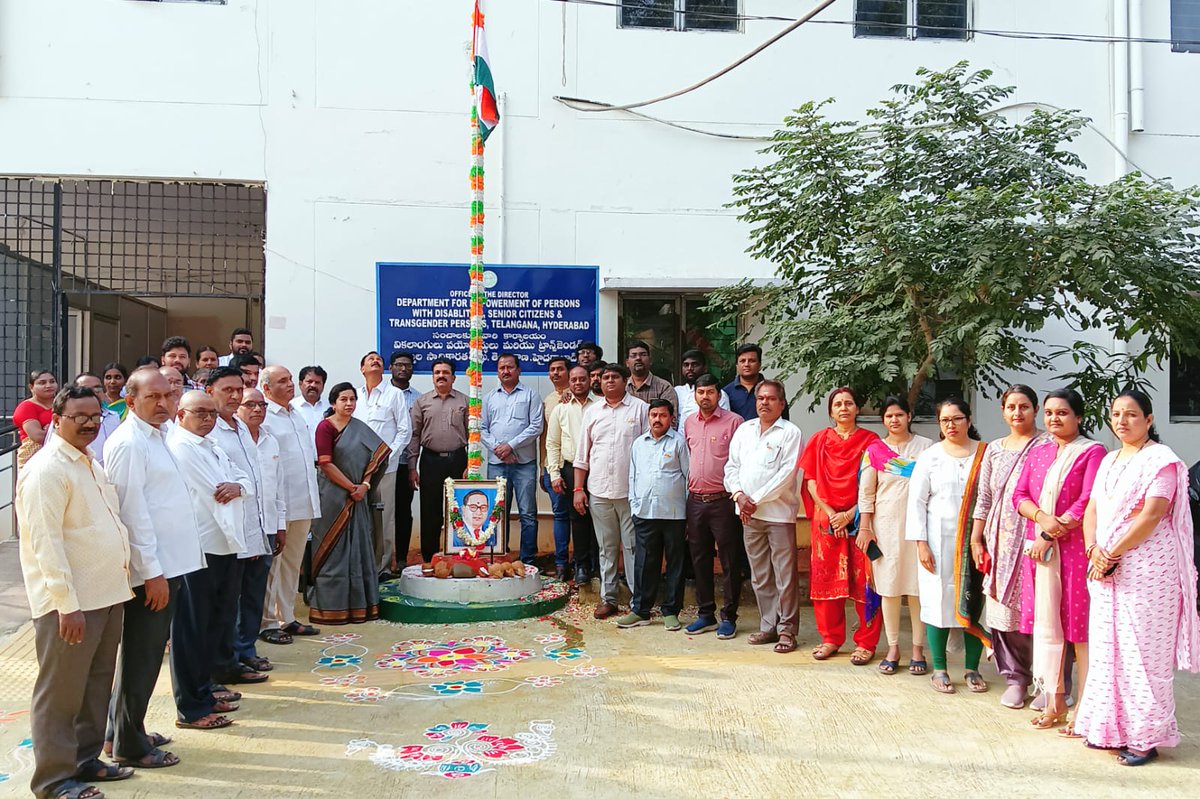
354 114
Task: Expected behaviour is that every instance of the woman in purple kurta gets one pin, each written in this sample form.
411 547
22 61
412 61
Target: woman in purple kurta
1052 493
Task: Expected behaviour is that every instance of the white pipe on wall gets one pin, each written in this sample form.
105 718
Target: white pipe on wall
1137 70
502 107
1120 87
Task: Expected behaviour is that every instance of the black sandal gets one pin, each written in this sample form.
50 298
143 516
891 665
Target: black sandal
77 790
257 663
296 628
275 636
918 667
96 770
155 758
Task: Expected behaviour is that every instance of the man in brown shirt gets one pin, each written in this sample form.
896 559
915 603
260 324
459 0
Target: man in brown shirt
642 383
439 436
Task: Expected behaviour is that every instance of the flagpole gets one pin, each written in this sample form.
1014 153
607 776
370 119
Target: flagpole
477 291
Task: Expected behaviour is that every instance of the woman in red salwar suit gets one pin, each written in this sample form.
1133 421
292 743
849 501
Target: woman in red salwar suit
839 569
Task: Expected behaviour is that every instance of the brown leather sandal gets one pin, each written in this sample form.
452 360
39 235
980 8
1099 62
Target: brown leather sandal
787 643
861 656
760 638
824 652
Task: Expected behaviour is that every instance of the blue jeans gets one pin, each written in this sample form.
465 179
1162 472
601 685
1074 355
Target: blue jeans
560 504
521 479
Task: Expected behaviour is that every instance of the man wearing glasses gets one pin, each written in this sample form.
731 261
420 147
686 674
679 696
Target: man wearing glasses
475 512
75 561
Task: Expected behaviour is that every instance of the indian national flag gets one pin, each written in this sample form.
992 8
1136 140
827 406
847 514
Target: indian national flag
485 91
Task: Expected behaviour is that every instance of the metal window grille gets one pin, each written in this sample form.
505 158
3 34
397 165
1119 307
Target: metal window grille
65 242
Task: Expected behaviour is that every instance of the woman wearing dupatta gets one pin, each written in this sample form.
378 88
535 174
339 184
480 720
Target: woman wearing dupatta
1138 536
882 505
839 569
1052 493
351 459
998 541
941 498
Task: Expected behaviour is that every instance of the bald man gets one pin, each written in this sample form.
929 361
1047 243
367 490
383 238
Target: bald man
164 545
302 504
204 622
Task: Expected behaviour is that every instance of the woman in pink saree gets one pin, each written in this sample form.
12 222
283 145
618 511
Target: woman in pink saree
1052 493
1138 536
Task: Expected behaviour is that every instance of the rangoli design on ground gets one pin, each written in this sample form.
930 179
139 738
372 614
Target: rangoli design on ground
20 757
477 654
462 749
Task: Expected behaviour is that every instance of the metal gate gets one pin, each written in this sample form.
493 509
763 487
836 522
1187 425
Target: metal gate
66 244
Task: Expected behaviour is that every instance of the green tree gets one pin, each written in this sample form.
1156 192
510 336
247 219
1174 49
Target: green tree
942 233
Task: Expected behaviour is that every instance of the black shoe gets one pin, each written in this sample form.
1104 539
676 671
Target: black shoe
561 573
581 576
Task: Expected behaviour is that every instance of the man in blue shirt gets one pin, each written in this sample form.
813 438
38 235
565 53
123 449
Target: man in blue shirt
512 421
658 475
749 374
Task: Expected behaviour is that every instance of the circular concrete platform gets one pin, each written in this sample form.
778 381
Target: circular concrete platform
394 605
465 591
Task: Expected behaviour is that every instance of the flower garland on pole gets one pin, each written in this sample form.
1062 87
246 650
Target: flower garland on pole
484 118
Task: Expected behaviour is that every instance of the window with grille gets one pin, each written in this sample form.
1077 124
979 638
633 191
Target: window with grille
1185 26
912 19
680 15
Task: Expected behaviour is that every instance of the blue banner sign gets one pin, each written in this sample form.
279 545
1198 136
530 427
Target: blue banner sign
536 312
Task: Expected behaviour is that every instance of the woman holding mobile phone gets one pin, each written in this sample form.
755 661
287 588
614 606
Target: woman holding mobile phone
1052 493
839 569
883 482
1138 537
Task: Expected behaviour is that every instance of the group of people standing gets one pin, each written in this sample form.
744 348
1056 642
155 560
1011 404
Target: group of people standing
1041 546
171 504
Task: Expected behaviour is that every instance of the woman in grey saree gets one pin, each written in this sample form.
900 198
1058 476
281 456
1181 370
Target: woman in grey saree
351 458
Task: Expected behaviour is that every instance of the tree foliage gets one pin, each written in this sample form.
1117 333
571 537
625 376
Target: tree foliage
943 233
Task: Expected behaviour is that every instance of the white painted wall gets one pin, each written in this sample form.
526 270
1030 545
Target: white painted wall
355 116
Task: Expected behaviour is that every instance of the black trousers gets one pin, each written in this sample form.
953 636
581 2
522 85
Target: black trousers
434 468
143 640
583 534
654 537
202 632
404 516
715 525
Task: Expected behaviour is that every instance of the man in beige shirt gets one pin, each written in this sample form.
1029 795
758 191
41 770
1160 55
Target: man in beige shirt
439 436
75 560
556 369
562 439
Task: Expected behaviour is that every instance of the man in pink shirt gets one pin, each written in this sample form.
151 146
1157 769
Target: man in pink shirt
712 519
602 478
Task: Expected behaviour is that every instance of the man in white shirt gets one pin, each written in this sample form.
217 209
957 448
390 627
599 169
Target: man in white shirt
208 601
760 475
75 561
694 364
298 490
602 479
251 413
261 518
311 404
385 411
164 546
562 437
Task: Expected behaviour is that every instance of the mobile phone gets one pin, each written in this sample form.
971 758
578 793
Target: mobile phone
873 551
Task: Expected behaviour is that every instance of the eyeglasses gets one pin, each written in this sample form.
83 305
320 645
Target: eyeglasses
952 420
84 418
254 404
478 506
201 414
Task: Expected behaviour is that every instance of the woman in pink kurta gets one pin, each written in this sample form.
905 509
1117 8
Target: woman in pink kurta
1144 625
1052 493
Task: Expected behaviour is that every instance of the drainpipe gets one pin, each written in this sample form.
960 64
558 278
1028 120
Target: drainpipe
1120 87
1137 70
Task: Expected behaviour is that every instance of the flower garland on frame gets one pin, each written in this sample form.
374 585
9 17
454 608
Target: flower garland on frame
473 542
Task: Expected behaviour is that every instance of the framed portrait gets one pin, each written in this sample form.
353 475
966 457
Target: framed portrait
476 517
